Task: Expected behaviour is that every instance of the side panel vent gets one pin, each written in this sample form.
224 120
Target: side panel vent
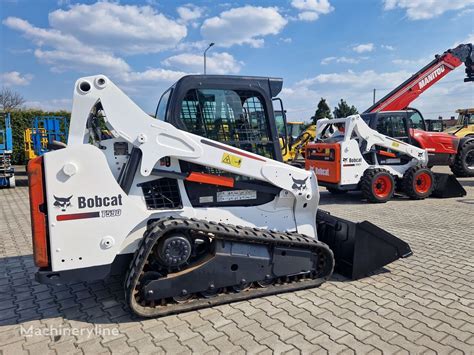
161 194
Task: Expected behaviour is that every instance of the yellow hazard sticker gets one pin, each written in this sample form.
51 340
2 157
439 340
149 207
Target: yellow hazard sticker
232 160
395 144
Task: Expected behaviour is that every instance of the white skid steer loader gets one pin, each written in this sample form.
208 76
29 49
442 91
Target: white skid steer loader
349 155
192 207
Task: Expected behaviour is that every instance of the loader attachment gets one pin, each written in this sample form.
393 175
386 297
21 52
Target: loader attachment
359 248
446 186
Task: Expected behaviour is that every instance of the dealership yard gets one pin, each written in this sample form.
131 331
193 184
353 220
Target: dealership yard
423 304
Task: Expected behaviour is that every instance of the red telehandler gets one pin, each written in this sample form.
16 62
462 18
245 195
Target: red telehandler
392 112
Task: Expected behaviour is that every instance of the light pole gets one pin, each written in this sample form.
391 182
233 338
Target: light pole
210 45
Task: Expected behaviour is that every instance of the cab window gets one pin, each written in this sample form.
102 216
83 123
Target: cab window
234 117
393 125
470 118
280 123
415 120
162 105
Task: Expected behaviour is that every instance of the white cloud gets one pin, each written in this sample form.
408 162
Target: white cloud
63 51
216 63
243 25
41 36
465 12
412 62
362 48
50 105
120 28
20 51
343 59
367 78
387 47
469 38
82 61
424 9
311 9
15 78
308 16
189 12
152 75
67 52
286 39
356 88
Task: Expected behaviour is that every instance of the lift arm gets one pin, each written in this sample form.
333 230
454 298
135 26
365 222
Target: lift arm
157 139
371 140
401 97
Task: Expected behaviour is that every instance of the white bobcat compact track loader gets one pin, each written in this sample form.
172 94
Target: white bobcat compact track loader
194 207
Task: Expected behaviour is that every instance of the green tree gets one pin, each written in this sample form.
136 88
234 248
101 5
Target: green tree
323 111
343 110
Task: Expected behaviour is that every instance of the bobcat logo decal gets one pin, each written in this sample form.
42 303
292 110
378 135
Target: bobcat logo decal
62 202
299 185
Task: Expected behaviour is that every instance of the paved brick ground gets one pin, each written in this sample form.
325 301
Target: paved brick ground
424 304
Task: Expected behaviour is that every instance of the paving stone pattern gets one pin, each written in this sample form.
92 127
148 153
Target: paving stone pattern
423 304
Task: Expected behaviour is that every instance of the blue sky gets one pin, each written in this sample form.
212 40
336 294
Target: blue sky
322 48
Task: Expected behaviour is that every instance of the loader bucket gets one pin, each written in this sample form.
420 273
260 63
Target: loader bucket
447 186
359 248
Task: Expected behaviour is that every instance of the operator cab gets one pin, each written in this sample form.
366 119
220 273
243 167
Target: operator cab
465 118
234 110
396 124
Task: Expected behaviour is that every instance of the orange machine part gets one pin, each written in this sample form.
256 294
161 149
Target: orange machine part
211 179
387 154
38 218
325 160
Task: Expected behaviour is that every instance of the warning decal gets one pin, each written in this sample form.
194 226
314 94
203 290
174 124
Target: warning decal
232 160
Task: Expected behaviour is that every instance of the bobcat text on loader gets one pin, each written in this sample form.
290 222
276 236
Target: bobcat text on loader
194 207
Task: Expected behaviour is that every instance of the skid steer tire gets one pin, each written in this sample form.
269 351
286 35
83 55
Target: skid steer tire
418 182
377 185
463 165
336 191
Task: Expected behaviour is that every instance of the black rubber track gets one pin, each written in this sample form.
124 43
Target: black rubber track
223 232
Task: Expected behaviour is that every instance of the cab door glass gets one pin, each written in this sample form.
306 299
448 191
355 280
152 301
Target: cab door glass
234 117
384 126
162 105
470 118
280 123
393 125
415 120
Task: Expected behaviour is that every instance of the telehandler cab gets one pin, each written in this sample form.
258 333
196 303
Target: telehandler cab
194 207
